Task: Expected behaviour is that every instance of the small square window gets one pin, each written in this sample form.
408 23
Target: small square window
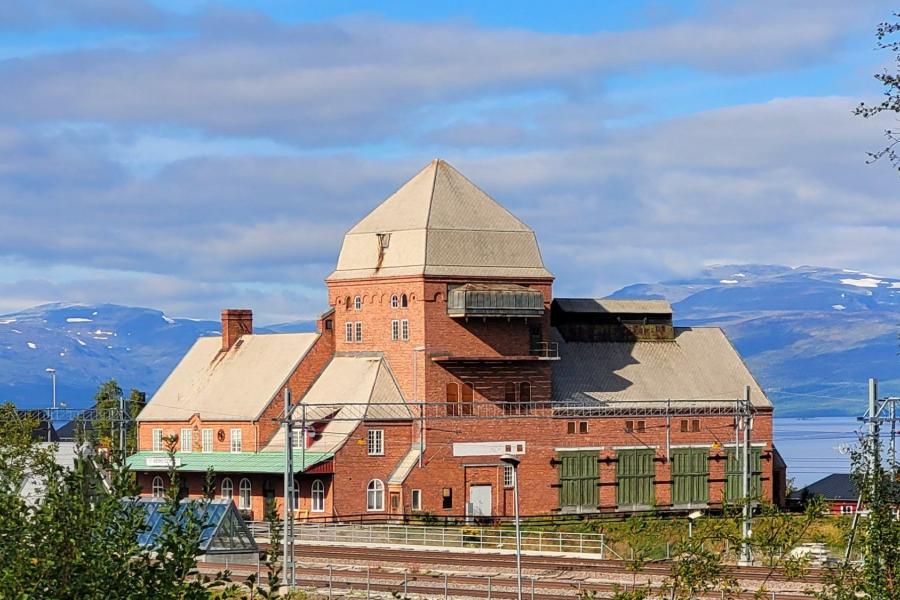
640 426
329 324
416 500
684 425
629 426
695 425
570 427
582 427
447 498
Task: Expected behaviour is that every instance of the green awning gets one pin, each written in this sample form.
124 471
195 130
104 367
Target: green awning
224 462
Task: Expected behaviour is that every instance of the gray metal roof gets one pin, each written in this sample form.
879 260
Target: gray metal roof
613 305
699 366
440 224
837 486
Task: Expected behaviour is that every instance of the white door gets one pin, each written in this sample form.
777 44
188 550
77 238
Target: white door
480 499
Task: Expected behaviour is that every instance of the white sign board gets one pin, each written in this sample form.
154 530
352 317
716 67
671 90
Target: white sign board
488 448
162 461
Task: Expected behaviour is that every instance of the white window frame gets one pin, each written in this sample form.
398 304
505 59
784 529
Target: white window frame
157 440
348 332
359 336
375 442
395 330
227 490
415 500
245 489
404 329
395 301
157 487
297 438
295 496
375 496
357 303
187 441
509 476
206 440
237 441
317 496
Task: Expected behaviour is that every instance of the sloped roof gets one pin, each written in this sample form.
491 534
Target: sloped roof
228 386
349 390
699 365
837 486
441 224
224 462
613 305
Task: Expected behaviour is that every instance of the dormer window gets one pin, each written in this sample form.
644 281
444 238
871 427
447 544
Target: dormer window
357 303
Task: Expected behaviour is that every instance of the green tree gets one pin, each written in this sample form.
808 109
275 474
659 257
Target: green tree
890 81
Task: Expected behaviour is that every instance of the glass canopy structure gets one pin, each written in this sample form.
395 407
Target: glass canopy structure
224 531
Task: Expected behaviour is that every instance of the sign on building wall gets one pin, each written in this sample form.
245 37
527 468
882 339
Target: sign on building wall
488 448
162 461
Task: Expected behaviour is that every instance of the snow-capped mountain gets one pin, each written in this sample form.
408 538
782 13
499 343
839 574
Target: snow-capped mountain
811 335
89 344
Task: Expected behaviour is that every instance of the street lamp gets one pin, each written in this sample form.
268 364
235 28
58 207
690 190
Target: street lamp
53 376
513 461
691 517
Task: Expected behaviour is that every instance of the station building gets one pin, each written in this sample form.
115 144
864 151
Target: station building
442 349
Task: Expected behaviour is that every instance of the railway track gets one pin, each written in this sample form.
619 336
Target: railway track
561 564
447 585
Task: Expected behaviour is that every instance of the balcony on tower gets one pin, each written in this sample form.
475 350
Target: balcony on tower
484 300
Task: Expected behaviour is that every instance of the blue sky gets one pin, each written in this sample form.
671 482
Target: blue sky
191 155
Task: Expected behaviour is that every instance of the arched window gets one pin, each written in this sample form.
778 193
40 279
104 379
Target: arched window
295 496
357 303
524 398
318 496
468 398
403 301
227 489
375 496
157 488
452 399
509 398
347 303
244 490
395 302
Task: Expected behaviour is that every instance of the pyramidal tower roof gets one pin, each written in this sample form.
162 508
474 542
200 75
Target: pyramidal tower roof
439 223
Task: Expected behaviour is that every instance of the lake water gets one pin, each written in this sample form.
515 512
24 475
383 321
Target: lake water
812 447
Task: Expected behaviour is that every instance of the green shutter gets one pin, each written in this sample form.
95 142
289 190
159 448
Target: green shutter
734 489
635 472
578 480
690 476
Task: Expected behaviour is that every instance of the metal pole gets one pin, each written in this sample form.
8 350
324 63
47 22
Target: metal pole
893 402
53 376
518 534
668 431
745 480
122 425
288 492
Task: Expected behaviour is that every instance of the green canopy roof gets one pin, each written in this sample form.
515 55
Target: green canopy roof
224 462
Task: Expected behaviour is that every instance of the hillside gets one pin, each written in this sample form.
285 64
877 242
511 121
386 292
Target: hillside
88 344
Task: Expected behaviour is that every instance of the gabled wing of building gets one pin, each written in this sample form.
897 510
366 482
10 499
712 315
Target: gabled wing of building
350 390
440 223
228 385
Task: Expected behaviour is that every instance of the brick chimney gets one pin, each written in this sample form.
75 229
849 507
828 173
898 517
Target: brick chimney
235 323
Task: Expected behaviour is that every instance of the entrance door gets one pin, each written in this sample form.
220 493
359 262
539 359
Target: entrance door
395 503
480 499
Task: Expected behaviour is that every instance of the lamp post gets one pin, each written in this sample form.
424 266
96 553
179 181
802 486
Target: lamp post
691 517
53 376
513 461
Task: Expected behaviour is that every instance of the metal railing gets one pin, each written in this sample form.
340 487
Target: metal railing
482 538
545 349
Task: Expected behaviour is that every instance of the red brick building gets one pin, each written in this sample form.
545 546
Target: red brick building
443 349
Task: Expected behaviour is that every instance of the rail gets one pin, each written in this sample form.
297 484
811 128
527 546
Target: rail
482 538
